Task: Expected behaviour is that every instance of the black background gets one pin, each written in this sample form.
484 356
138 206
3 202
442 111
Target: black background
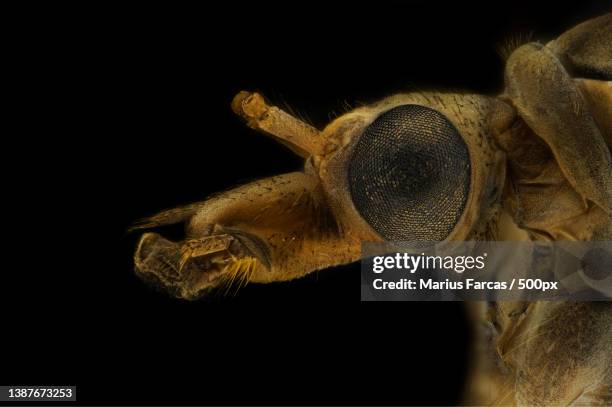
132 116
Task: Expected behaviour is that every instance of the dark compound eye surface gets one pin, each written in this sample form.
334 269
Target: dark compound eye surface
409 174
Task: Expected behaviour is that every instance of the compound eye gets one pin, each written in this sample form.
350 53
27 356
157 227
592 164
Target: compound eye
409 175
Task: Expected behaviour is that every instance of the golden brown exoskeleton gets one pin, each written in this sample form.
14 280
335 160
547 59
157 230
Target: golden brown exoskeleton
540 169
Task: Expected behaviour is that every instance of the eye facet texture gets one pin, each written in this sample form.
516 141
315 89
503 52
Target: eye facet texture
409 175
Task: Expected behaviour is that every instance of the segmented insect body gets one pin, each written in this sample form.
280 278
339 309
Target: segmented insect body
533 163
